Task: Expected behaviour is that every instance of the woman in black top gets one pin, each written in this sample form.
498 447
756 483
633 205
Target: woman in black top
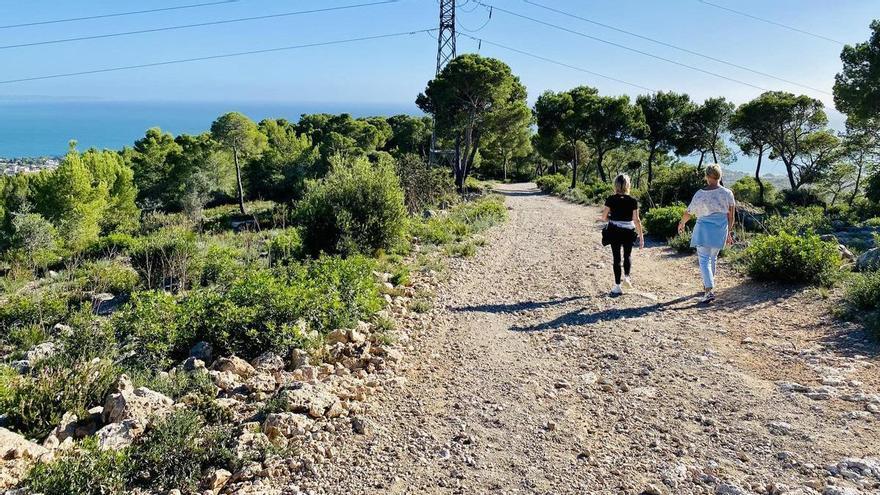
624 226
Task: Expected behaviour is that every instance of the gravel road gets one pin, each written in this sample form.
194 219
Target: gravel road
530 379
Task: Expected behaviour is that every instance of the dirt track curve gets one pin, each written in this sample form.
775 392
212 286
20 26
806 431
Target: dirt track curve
532 380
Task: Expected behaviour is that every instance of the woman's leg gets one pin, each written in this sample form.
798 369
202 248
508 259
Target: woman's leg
704 254
615 253
627 252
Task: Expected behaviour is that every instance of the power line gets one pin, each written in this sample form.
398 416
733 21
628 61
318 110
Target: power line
200 24
214 57
556 62
618 45
670 45
768 21
117 14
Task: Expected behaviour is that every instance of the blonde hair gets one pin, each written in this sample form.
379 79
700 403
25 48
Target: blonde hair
622 184
713 170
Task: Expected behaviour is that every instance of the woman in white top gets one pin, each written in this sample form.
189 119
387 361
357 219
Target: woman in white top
715 207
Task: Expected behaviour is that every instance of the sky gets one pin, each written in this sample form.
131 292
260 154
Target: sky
394 70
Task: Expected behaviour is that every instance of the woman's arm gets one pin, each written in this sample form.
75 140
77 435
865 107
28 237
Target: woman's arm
684 221
638 221
604 216
731 217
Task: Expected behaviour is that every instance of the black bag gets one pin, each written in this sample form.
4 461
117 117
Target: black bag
612 234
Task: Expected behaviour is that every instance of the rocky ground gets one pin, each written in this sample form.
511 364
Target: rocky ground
527 377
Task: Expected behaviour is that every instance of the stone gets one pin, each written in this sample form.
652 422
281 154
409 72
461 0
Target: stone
360 425
779 427
729 489
261 383
869 261
287 425
193 364
141 403
17 455
226 381
216 479
653 489
202 351
116 436
298 358
268 362
839 490
338 336
315 400
235 365
40 352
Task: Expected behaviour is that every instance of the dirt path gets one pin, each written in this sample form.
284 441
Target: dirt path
532 380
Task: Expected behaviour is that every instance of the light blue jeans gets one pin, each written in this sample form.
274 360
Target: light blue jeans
708 262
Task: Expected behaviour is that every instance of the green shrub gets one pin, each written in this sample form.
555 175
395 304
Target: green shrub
802 197
423 186
111 245
864 292
356 208
747 190
88 338
465 249
556 184
676 185
84 470
800 221
221 264
147 329
176 450
481 214
872 222
284 247
789 258
168 258
682 242
37 401
663 222
107 276
339 291
43 308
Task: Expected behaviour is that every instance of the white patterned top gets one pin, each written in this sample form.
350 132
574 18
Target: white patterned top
707 202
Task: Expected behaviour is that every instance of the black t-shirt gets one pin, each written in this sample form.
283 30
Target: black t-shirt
622 207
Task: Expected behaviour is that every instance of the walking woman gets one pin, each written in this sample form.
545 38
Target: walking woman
624 226
714 206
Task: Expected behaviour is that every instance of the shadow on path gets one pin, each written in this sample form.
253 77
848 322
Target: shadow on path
579 317
520 306
528 192
851 340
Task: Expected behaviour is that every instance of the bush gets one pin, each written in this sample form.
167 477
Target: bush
107 276
481 214
789 258
676 185
663 222
220 265
747 190
284 247
356 208
27 309
167 259
37 402
864 292
556 184
423 186
682 242
147 330
175 451
872 222
84 470
111 245
800 221
88 338
802 197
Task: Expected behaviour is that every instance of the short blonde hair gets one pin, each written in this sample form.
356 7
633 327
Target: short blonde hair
713 170
622 184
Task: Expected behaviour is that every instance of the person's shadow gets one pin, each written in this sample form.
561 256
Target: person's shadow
581 317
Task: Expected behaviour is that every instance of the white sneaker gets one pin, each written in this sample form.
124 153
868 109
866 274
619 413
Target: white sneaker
616 290
627 282
707 297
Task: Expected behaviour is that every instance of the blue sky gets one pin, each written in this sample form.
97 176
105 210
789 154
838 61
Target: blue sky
394 70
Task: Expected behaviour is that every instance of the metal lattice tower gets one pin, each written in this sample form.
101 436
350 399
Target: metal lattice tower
445 53
446 34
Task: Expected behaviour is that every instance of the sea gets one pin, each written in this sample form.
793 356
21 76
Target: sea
44 127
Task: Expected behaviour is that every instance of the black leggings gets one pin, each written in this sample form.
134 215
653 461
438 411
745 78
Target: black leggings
615 251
